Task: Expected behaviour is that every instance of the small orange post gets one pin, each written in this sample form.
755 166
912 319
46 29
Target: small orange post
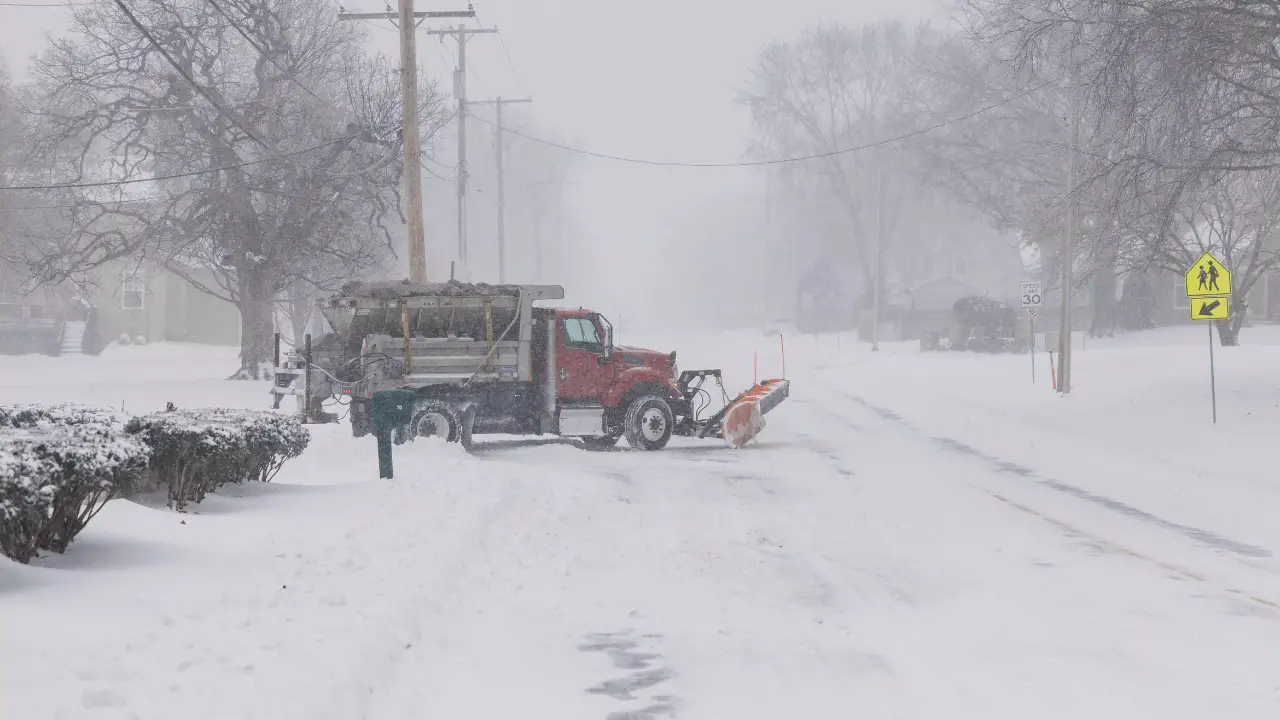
783 345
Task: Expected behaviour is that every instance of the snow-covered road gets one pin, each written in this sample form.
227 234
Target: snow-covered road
883 552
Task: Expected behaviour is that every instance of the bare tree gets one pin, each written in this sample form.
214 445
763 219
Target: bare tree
271 139
1235 216
1186 95
838 87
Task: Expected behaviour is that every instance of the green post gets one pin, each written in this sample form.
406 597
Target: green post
390 409
385 469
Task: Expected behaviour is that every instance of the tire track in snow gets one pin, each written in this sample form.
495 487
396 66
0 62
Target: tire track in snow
624 650
1202 537
739 546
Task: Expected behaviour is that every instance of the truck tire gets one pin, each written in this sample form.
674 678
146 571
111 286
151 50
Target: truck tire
649 423
433 418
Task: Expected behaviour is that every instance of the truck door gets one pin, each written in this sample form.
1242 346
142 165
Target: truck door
582 376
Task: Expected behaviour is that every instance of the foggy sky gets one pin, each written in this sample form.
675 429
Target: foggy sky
652 79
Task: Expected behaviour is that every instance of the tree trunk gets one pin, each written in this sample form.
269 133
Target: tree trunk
299 311
1105 306
1229 329
256 329
1137 305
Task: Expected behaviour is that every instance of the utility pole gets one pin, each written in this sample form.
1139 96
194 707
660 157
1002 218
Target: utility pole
461 33
410 125
1064 335
502 197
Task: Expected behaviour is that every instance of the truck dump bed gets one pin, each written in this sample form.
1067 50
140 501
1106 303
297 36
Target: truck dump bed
456 330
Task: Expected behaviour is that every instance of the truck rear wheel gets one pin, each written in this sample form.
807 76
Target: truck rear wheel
433 418
649 423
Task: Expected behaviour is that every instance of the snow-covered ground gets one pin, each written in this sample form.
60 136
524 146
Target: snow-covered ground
914 536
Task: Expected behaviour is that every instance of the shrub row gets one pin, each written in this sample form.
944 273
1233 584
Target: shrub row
33 416
55 478
60 464
195 451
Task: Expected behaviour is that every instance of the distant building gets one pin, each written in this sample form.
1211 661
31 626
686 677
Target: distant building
968 258
138 299
145 300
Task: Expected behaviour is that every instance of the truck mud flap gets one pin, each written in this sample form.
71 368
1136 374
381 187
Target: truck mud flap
744 418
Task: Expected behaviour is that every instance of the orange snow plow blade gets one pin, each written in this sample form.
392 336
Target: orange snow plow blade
744 418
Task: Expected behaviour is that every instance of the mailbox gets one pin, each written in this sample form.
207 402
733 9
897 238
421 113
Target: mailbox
391 409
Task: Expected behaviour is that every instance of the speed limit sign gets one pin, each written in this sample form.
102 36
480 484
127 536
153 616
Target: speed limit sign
1032 294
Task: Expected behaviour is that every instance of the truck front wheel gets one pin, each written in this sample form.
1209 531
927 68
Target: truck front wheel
649 423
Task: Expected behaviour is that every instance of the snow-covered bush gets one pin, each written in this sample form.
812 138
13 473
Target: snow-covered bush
31 416
54 478
139 340
195 451
27 488
124 339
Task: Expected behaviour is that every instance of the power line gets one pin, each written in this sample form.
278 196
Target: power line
187 76
253 135
261 50
777 161
512 63
434 174
130 201
44 5
505 51
174 196
112 183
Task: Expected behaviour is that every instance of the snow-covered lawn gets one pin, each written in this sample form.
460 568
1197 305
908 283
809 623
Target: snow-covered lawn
914 536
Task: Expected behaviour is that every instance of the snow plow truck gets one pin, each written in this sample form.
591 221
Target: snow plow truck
485 359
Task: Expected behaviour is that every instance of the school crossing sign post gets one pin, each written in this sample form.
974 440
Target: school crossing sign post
1209 289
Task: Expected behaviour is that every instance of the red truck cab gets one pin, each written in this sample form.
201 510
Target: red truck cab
591 372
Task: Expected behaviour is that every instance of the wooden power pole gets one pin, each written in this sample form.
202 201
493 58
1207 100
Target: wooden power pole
502 197
410 123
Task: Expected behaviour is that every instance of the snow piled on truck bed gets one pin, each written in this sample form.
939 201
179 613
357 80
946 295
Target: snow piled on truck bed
913 536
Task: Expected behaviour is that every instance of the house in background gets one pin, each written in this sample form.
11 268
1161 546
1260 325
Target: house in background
137 299
968 257
148 301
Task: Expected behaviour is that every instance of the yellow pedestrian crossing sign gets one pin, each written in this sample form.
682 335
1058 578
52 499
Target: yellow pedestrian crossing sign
1210 308
1208 277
